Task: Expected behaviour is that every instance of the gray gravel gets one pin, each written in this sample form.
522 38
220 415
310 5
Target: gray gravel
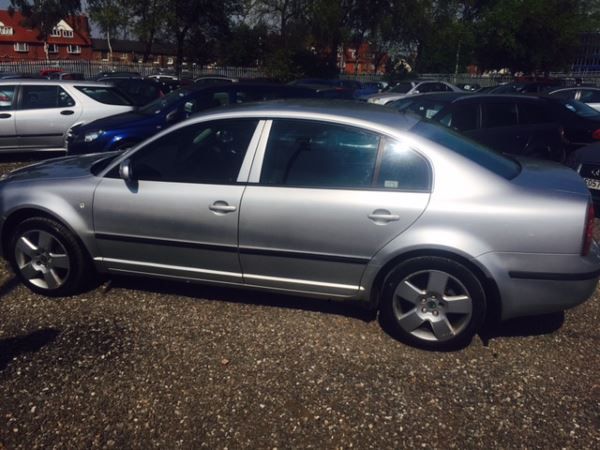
143 364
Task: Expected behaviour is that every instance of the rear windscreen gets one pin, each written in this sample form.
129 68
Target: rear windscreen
107 95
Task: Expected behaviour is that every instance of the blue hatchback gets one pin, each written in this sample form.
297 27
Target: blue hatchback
125 130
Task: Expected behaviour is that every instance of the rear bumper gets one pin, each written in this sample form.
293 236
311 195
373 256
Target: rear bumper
532 284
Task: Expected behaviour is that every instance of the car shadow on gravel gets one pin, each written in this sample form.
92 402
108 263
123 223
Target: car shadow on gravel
251 297
7 286
12 347
525 326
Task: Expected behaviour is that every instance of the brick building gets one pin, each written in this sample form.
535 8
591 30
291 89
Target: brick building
124 51
70 39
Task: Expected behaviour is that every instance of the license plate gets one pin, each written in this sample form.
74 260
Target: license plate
592 184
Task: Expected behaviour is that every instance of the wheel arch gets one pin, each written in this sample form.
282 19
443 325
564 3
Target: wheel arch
491 290
21 214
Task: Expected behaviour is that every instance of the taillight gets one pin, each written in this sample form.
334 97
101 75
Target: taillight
588 235
596 135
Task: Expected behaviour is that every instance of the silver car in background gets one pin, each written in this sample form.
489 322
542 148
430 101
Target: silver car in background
353 202
35 115
407 88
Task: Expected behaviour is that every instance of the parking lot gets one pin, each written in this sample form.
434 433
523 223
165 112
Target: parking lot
140 364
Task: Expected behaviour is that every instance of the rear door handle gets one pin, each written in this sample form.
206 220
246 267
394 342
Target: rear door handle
5 116
222 207
67 112
383 216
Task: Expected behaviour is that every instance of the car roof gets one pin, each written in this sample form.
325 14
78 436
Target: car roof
478 97
305 108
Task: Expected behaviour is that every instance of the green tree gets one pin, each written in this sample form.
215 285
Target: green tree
110 16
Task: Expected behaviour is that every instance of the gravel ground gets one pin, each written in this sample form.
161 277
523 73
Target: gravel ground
143 364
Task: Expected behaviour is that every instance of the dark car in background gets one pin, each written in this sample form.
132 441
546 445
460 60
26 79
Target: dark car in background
125 130
356 88
512 124
585 94
138 90
425 105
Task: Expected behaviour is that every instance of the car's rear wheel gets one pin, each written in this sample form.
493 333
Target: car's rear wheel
433 302
48 258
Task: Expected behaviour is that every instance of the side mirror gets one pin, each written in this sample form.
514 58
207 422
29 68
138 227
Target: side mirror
125 170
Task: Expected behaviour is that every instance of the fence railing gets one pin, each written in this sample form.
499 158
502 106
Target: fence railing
91 68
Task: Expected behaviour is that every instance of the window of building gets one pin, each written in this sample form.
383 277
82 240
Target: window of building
21 47
6 31
67 33
55 32
73 49
52 48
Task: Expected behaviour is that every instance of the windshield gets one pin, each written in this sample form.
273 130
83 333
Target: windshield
485 157
162 103
402 88
579 108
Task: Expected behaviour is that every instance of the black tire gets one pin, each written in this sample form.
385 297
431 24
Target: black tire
80 269
438 324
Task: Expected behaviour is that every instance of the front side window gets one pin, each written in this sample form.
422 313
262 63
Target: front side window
207 153
314 154
7 97
40 97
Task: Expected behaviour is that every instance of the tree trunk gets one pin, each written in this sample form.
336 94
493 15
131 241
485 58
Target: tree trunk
110 50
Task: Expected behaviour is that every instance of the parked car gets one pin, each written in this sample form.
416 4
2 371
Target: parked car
36 114
425 105
586 162
587 95
117 74
526 87
315 200
17 76
407 88
163 77
167 85
357 88
214 79
123 131
140 92
65 76
513 124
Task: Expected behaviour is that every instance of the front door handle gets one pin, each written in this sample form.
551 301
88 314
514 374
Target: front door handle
383 216
5 116
67 112
222 207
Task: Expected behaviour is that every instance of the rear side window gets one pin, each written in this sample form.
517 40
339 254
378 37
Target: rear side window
107 95
485 157
499 115
402 168
531 114
313 154
42 97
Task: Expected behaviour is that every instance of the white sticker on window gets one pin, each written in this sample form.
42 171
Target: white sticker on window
392 184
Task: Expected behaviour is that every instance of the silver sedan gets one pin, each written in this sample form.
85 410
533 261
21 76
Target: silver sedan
343 201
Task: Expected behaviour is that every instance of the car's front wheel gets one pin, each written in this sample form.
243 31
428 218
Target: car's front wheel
433 302
48 258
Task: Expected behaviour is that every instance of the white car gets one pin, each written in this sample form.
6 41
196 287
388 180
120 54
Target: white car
35 115
588 95
406 88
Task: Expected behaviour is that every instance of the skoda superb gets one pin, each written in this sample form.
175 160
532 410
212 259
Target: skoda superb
351 202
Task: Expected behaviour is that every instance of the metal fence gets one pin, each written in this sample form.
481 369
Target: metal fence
91 68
